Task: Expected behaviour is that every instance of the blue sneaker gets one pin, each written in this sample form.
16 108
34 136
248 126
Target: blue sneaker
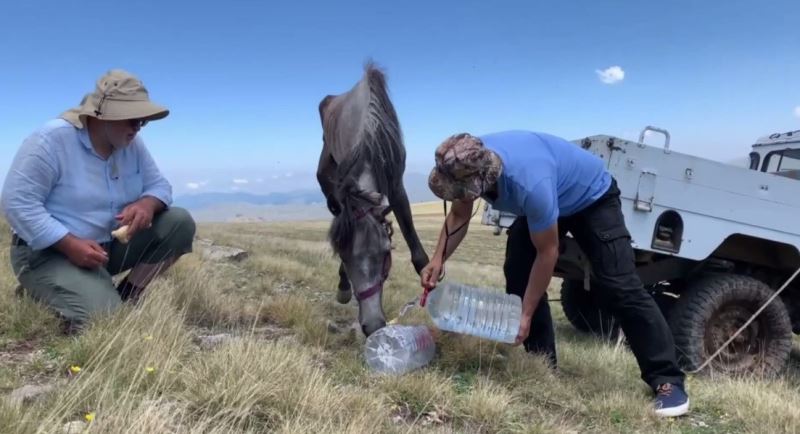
671 400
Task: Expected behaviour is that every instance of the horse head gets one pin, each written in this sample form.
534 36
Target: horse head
362 237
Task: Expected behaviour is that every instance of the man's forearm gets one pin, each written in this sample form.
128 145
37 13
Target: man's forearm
38 228
155 204
454 221
538 281
64 244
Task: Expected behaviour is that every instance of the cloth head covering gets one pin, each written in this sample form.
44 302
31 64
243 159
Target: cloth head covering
464 168
118 95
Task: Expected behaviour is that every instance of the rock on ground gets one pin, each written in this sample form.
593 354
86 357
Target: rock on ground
210 341
213 252
74 427
29 393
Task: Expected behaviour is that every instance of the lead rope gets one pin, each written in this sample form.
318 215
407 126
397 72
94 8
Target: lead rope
421 300
746 324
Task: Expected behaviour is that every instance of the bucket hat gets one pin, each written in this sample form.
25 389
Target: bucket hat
118 95
464 168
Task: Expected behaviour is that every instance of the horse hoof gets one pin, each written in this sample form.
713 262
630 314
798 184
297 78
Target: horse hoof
344 296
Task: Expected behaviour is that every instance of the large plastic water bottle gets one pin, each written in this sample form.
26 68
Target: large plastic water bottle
397 349
475 311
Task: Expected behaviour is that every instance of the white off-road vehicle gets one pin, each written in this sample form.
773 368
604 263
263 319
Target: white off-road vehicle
713 242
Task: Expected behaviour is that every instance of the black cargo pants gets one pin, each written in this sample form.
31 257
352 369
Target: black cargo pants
601 233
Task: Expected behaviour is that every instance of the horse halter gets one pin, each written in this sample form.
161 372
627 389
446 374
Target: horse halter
378 286
360 213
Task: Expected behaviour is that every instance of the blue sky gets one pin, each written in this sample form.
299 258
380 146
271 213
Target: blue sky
243 79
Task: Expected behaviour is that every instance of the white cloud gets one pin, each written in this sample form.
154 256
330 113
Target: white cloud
611 75
289 174
195 185
797 112
240 181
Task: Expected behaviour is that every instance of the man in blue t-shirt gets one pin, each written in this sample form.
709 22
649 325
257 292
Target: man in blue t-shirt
555 187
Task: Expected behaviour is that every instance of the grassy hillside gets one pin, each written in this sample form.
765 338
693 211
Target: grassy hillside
428 210
283 357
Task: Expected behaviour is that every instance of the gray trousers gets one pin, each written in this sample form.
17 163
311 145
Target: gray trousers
76 293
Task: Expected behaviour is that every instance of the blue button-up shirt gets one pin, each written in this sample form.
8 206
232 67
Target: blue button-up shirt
58 184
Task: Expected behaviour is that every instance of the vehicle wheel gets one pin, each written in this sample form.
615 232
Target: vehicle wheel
584 313
710 311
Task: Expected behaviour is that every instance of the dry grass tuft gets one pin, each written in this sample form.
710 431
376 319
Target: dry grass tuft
142 372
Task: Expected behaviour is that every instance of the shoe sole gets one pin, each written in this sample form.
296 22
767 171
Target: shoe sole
674 411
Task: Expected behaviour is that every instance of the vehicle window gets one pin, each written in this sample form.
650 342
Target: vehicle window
772 162
787 160
790 160
754 160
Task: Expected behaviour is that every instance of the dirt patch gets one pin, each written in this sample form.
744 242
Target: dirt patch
403 415
208 339
20 352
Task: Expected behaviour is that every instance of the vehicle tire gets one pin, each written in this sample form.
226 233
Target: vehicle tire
584 313
710 311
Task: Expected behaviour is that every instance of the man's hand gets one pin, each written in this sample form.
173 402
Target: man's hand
430 274
546 244
457 221
524 329
82 252
139 215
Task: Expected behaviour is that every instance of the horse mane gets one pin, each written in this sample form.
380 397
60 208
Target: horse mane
378 138
378 144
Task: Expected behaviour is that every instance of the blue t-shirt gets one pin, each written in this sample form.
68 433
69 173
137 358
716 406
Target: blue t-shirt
545 177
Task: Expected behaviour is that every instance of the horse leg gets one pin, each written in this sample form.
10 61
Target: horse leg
402 211
345 293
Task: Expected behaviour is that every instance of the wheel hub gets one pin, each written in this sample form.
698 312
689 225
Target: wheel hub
746 349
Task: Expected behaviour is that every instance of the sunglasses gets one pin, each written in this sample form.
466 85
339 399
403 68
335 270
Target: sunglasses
138 123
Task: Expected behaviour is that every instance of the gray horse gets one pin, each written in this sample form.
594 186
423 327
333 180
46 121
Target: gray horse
360 173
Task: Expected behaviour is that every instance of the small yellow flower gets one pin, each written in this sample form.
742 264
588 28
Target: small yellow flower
89 417
75 369
148 337
150 370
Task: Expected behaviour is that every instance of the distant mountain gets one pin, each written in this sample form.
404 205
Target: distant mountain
201 201
416 187
243 212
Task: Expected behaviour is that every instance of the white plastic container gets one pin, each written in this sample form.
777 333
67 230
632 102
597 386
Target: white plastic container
475 311
397 349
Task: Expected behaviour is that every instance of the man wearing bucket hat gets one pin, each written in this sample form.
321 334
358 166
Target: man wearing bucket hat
74 181
555 187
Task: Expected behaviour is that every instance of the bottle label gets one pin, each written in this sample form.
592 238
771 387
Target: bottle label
423 340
